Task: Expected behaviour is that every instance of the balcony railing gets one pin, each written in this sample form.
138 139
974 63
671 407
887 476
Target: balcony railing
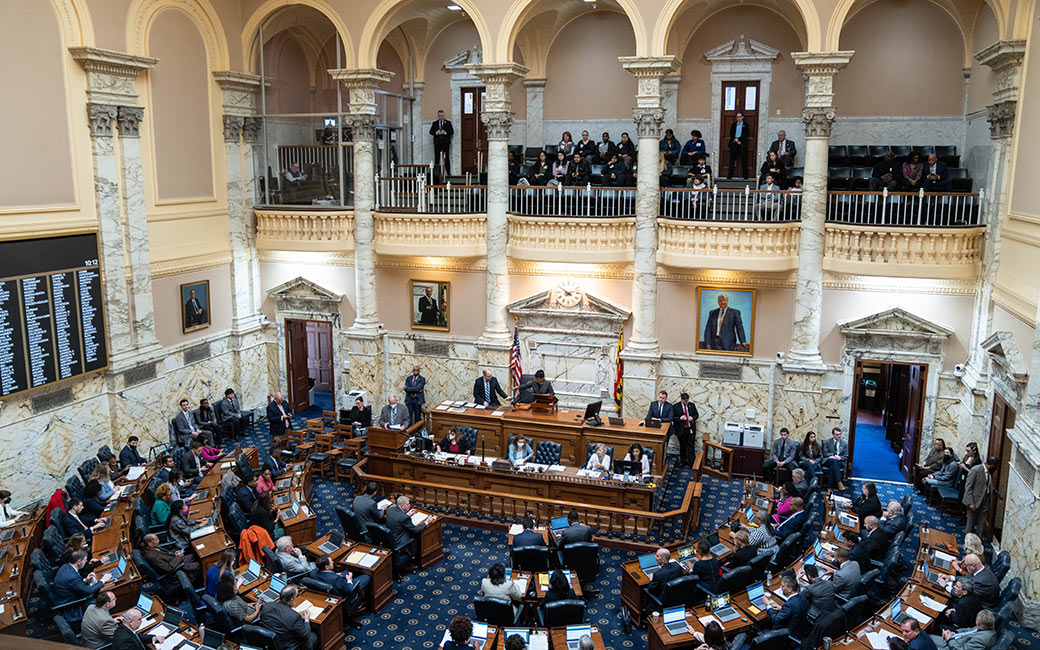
941 210
560 201
406 194
760 206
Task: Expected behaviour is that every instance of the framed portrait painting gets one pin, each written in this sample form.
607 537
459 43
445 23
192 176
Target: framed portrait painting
195 306
429 304
726 321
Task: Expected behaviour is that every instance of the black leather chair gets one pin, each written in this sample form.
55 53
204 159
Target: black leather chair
924 151
317 585
771 640
53 544
561 613
259 637
530 558
551 150
948 155
877 153
1003 641
1011 592
1000 565
1001 617
786 553
495 611
548 452
853 609
866 581
271 562
86 468
591 449
74 487
469 434
221 620
67 635
678 176
902 152
198 609
736 579
831 624
839 178
596 174
859 155
683 590
960 181
531 154
354 530
104 452
861 178
583 559
380 536
837 155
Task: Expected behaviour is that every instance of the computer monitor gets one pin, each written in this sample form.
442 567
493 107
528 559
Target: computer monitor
559 523
330 121
633 467
592 413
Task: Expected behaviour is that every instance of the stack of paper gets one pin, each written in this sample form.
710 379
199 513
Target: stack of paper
457 409
498 414
516 529
708 619
921 617
539 641
356 557
418 518
370 560
932 604
556 468
939 555
385 503
442 407
171 642
135 473
521 584
879 640
312 610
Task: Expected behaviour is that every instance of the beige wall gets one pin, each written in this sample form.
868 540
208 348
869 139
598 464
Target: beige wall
286 65
908 61
1025 192
437 93
166 293
1023 332
339 279
981 83
389 61
786 90
180 108
37 162
583 73
109 18
465 302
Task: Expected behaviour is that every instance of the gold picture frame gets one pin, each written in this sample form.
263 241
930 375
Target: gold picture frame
736 336
427 316
192 319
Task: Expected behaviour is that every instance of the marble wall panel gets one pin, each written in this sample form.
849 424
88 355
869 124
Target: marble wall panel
896 130
977 152
1019 538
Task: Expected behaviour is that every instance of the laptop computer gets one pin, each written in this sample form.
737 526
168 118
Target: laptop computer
207 528
686 552
757 595
652 423
521 632
283 499
285 483
838 537
931 577
558 523
939 562
199 495
648 564
574 634
749 514
722 609
117 572
675 620
252 572
273 590
335 541
762 503
144 604
718 549
896 612
171 622
291 512
6 535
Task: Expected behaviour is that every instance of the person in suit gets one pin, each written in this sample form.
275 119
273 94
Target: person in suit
868 503
983 581
442 130
403 533
278 468
667 570
980 637
915 640
453 443
360 416
291 628
194 313
739 134
539 385
70 585
486 390
966 605
344 583
460 631
784 452
193 465
167 562
744 551
246 494
871 544
575 532
393 415
129 455
125 636
206 420
365 506
893 520
429 312
415 393
519 452
784 149
835 454
724 329
801 486
684 425
794 521
230 412
706 566
936 176
279 416
978 486
291 557
98 626
71 523
527 537
820 592
660 410
846 578
947 474
793 613
184 425
495 585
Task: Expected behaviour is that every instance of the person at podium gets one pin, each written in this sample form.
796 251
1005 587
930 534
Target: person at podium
539 385
453 443
486 390
393 415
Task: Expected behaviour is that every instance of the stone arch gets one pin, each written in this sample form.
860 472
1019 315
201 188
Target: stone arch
521 10
673 8
376 29
142 15
77 29
252 25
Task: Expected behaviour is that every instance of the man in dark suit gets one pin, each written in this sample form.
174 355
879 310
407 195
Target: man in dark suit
912 634
739 134
871 545
206 420
279 416
394 415
486 390
129 456
194 314
71 523
667 570
126 637
784 149
528 537
184 425
724 329
983 581
70 585
793 613
834 453
291 628
442 130
794 521
574 532
660 410
344 584
820 592
193 465
429 313
402 531
936 177
365 506
415 394
684 422
784 452
246 494
892 521
230 412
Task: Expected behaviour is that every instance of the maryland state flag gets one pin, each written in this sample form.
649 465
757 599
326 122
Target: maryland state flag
619 387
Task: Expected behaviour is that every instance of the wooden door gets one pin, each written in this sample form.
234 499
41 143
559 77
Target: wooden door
914 413
857 379
296 365
1002 419
319 354
738 97
473 136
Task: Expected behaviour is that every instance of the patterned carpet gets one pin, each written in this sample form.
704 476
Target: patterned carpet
874 458
426 601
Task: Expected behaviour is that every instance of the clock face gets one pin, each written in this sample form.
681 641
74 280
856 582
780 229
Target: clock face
569 294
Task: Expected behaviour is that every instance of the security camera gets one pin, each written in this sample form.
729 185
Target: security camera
959 370
779 357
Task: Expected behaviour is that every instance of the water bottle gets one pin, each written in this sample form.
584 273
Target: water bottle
626 475
826 643
202 630
769 579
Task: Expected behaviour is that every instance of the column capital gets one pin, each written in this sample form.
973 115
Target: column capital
240 91
818 121
111 75
129 121
818 69
497 78
361 85
535 83
362 125
101 117
648 121
252 128
233 127
498 124
649 72
1001 118
1005 59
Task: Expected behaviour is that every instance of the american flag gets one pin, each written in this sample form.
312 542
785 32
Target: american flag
515 368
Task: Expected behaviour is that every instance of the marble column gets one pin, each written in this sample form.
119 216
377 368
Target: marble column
670 104
819 69
1005 58
498 118
419 157
535 92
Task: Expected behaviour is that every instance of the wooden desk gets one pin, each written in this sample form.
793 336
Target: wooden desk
328 625
659 638
128 588
13 619
550 540
381 573
504 634
932 538
541 588
431 547
210 547
558 636
303 527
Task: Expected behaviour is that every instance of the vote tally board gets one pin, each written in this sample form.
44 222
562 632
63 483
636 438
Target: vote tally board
52 325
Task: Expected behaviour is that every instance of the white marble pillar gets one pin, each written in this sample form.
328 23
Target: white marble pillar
362 85
818 69
498 118
419 155
670 104
535 95
1005 58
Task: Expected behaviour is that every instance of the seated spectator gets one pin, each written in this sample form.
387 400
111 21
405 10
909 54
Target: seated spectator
772 165
793 612
179 527
495 585
936 178
701 199
460 631
239 610
579 173
744 552
868 503
626 150
784 148
913 172
693 149
947 474
129 456
291 629
266 481
762 536
799 184
615 174
560 168
361 415
670 148
559 588
809 454
514 171
343 583
606 149
98 626
166 562
977 638
664 170
700 168
769 198
161 507
541 172
206 420
587 148
528 536
225 567
886 174
933 462
292 558
566 144
294 176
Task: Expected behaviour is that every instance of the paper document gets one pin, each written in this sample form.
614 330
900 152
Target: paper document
922 618
521 584
498 414
440 455
457 409
939 555
442 407
932 604
879 640
312 610
419 517
471 405
539 641
370 560
171 642
385 503
708 619
516 529
556 468
356 557
135 473
202 532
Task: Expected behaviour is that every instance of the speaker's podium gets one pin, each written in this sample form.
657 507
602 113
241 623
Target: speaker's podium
382 444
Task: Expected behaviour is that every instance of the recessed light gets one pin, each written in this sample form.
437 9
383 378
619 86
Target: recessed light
454 7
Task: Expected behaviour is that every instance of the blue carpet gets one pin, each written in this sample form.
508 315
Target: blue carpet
874 457
324 401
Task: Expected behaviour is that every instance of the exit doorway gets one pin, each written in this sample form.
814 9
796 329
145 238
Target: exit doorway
886 420
473 139
1002 419
309 364
739 97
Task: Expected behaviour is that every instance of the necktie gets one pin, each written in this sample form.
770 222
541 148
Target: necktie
487 390
718 325
393 412
686 412
783 447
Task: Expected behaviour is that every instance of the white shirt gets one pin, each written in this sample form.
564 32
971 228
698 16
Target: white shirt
595 462
645 461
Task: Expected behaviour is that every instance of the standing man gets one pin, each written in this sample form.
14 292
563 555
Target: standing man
486 390
415 390
393 415
835 454
279 416
978 488
784 148
684 422
442 130
661 410
429 313
725 328
784 451
739 134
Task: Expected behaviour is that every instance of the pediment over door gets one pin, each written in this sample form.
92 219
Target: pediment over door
895 329
303 295
1010 372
